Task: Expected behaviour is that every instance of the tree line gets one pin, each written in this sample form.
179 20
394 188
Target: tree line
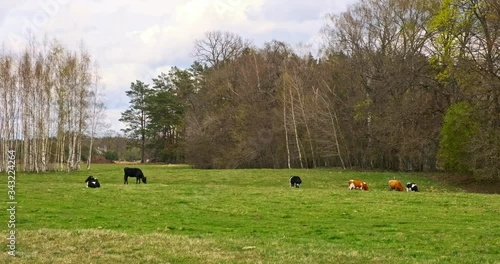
399 85
50 101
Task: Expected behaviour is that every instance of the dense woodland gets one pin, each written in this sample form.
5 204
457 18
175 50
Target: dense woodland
399 85
411 85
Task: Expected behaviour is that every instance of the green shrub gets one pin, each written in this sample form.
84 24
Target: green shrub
459 128
111 155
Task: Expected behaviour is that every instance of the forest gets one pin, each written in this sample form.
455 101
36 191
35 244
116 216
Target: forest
400 85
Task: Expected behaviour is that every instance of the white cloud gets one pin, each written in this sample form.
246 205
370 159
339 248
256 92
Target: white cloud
112 117
136 40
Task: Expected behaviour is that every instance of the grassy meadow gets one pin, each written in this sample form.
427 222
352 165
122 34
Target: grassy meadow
185 215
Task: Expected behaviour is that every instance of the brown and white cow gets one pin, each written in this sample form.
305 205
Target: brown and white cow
357 184
396 185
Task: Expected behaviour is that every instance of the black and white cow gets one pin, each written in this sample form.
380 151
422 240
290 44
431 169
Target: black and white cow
134 172
411 187
92 182
295 181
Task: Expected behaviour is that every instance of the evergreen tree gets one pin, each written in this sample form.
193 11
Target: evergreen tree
135 116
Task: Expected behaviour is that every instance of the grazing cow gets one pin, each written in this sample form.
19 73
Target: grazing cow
92 182
134 172
357 184
411 187
295 181
395 185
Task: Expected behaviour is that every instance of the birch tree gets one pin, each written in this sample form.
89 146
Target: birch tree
45 96
95 112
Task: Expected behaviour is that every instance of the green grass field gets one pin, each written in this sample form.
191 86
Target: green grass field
186 215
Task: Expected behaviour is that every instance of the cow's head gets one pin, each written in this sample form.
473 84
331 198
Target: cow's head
90 178
144 179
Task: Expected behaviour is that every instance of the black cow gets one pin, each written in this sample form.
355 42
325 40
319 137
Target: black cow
411 187
134 172
92 182
295 181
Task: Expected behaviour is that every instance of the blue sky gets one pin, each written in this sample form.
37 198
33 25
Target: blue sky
133 40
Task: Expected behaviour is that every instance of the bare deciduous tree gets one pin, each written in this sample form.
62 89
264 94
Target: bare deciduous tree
218 47
95 122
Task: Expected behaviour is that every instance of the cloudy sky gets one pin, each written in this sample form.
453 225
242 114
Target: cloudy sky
137 40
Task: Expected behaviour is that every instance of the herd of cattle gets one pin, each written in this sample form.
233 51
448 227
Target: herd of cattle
295 181
396 185
128 172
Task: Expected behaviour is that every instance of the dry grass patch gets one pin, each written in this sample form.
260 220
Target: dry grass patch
104 246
